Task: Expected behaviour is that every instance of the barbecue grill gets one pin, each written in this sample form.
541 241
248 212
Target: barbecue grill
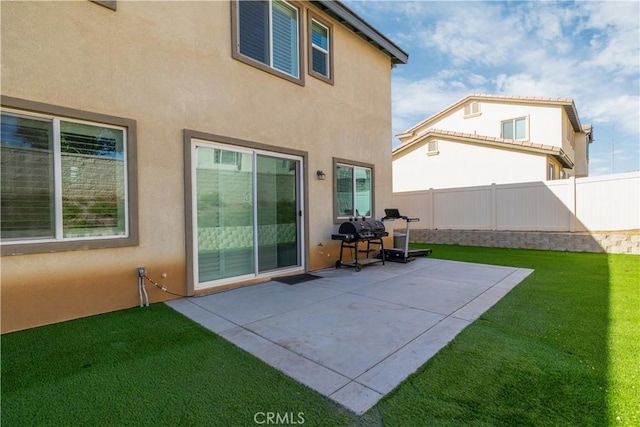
356 231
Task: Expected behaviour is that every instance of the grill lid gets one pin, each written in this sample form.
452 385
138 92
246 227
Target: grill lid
355 227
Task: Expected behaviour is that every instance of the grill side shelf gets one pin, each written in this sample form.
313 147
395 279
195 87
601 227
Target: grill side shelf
348 243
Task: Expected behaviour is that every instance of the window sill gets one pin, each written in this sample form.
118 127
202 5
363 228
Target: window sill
470 116
74 245
259 65
321 77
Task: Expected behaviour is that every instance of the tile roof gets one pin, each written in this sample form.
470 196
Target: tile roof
529 146
566 103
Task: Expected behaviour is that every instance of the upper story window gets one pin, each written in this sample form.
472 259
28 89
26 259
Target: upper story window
432 147
551 175
266 34
320 48
353 190
65 183
472 109
515 128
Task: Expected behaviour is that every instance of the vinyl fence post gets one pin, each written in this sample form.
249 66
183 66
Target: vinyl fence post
572 203
494 207
432 210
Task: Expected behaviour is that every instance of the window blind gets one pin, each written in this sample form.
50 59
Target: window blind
285 38
253 17
320 48
27 178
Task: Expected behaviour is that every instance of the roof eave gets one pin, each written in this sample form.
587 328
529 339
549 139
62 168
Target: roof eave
556 153
564 160
360 27
568 105
572 113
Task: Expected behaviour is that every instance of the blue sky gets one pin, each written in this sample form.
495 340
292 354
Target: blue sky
587 51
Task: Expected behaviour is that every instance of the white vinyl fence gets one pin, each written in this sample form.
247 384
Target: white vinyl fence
603 203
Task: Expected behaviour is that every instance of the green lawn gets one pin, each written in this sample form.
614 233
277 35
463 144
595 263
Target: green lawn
560 349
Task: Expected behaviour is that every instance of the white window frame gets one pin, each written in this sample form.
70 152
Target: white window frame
513 121
57 178
353 165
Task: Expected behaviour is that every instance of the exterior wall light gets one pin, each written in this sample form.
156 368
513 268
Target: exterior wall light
321 175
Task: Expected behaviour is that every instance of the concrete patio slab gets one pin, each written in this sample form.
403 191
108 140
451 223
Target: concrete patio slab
331 331
426 293
463 272
252 303
306 371
355 336
356 397
200 315
344 281
386 375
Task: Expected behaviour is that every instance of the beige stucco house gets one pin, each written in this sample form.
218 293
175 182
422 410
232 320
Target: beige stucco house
485 139
215 143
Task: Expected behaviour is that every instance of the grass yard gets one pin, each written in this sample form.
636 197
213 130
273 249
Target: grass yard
560 349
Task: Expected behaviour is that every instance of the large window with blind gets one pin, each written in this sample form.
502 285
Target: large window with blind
267 34
63 180
353 190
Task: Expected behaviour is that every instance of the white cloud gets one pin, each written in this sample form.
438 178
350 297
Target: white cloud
528 85
587 51
621 110
476 79
473 33
415 100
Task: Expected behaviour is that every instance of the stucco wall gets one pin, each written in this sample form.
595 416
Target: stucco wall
168 65
544 122
581 168
461 165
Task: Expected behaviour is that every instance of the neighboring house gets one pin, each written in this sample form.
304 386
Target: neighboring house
190 138
484 139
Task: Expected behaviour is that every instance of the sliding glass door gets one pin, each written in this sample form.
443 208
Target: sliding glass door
224 200
246 213
277 213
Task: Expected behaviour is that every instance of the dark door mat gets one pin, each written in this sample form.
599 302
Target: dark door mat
298 278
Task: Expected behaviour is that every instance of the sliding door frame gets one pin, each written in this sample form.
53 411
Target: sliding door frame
190 138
